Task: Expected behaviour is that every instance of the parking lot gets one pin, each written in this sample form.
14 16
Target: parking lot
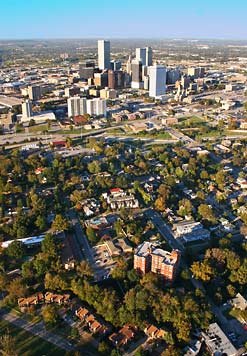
103 261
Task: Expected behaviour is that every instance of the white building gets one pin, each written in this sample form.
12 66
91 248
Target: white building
104 54
77 106
157 81
96 106
26 109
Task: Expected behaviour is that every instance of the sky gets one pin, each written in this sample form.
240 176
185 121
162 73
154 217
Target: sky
31 19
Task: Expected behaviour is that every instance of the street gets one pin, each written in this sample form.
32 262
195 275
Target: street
163 229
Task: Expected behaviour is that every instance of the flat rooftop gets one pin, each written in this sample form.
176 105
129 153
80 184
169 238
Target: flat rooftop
218 342
9 101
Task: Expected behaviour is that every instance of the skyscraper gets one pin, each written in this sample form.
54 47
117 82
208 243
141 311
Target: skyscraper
149 56
157 81
141 55
145 55
104 54
136 69
34 92
27 109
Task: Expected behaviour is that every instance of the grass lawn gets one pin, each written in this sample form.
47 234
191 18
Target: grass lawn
235 133
38 128
27 344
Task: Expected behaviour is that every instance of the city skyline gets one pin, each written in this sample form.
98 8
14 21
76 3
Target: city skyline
190 19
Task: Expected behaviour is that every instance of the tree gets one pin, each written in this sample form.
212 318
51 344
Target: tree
91 234
160 203
16 289
84 269
202 270
48 246
49 314
59 223
206 213
185 207
16 250
103 348
8 345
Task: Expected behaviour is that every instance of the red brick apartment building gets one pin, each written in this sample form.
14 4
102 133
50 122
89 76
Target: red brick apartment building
148 258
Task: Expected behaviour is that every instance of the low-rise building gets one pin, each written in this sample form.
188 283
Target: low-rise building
123 336
190 231
51 297
118 199
217 342
239 302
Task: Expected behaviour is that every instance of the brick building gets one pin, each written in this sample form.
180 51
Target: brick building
148 257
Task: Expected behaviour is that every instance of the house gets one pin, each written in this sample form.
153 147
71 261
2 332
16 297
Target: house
57 298
82 313
123 336
95 326
32 300
154 333
239 302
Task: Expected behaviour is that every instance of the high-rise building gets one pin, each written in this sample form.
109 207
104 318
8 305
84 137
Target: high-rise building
26 109
34 92
115 79
157 81
172 75
77 106
128 65
115 65
141 55
145 55
104 54
101 79
148 257
136 69
149 56
86 72
96 106
196 72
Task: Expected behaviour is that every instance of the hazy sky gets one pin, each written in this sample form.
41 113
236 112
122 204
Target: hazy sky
123 18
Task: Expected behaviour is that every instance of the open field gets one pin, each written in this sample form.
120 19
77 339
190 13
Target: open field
27 344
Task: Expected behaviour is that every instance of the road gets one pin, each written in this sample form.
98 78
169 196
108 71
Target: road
81 239
164 229
37 329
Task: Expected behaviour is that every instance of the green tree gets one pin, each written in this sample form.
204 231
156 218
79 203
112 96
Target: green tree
59 223
48 246
91 234
206 213
8 345
16 250
49 314
202 270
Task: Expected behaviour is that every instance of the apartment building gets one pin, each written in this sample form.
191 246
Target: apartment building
148 257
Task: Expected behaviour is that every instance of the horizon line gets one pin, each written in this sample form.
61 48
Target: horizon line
177 38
